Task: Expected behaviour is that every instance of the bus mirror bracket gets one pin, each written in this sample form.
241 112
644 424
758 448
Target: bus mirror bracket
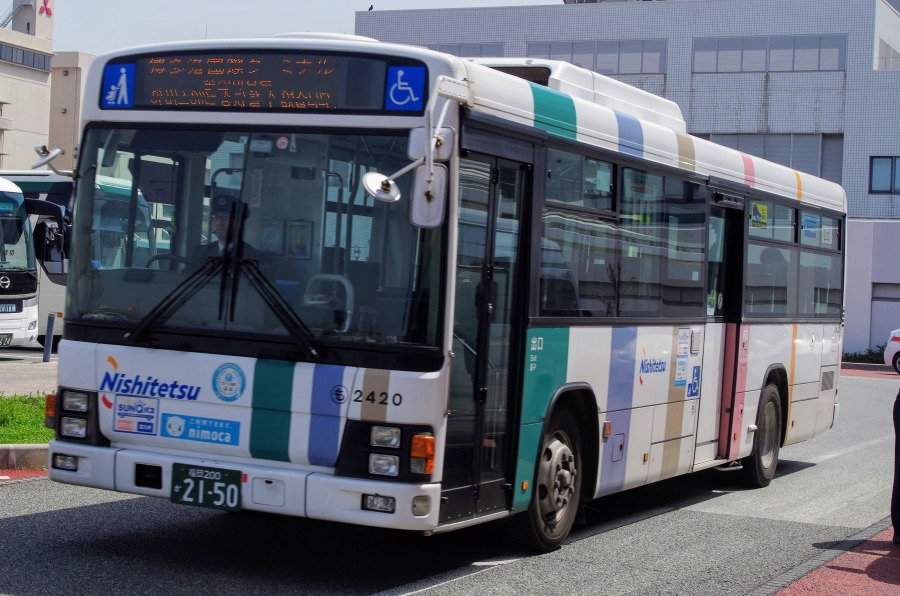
46 158
426 208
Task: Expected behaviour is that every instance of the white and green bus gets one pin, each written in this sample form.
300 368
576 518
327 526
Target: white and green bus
448 292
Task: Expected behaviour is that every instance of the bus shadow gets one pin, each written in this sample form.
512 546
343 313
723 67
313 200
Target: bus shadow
641 503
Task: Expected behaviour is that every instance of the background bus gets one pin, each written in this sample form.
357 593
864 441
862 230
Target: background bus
57 190
18 272
448 291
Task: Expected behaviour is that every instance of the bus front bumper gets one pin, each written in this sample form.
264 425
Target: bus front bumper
286 491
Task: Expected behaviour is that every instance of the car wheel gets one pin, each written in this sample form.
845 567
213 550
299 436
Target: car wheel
897 363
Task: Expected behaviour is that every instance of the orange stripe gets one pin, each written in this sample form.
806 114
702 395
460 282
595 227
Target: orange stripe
799 186
791 380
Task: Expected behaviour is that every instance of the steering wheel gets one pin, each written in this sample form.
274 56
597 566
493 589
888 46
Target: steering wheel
170 257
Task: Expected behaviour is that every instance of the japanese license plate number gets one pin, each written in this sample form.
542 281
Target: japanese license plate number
5 339
214 488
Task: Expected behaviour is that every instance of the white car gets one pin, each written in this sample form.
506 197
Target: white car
892 351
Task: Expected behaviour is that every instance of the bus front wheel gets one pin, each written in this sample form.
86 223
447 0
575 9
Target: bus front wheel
759 467
557 490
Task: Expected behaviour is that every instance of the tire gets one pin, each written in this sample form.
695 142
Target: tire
759 467
897 363
557 488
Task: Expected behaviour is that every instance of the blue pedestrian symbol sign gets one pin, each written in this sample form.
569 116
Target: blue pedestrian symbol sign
118 86
405 88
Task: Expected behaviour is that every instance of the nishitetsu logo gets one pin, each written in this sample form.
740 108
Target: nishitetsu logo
650 366
145 385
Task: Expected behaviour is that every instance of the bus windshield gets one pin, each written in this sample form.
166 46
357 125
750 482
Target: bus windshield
210 231
16 243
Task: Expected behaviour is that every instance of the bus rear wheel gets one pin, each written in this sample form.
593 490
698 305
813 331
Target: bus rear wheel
759 467
557 490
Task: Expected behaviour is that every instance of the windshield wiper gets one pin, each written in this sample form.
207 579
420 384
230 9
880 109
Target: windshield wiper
282 310
177 298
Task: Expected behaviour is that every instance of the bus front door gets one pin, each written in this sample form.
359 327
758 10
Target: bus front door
484 339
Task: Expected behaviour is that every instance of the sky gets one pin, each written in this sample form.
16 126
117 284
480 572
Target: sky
100 26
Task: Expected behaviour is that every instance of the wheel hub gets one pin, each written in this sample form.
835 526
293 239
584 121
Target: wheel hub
557 479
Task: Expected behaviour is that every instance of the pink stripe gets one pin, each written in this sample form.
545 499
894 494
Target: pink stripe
749 170
734 384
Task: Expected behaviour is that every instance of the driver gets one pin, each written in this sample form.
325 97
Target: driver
221 207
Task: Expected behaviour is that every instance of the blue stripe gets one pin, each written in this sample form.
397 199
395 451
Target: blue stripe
325 419
620 393
631 135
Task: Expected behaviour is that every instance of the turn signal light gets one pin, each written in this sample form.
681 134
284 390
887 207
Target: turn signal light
421 452
50 411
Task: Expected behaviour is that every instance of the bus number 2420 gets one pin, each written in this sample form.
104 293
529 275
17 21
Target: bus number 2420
381 399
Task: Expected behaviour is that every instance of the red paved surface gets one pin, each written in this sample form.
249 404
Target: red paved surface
872 374
6 475
871 568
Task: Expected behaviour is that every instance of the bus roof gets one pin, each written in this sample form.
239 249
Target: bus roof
9 186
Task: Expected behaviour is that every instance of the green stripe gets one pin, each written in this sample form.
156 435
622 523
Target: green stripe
546 367
270 423
554 112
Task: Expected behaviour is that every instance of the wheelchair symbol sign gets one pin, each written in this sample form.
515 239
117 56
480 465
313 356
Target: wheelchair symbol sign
405 88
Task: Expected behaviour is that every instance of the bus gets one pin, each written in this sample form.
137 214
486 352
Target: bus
447 291
55 189
19 277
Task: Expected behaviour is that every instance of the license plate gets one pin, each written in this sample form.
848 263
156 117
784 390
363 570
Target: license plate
5 339
9 308
215 488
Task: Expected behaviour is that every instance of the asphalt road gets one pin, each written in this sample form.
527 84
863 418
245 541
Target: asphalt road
24 372
699 534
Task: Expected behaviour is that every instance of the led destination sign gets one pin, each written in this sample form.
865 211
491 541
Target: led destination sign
262 81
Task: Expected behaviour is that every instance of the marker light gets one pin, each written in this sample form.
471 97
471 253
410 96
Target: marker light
421 451
73 427
384 465
74 401
65 462
50 411
385 436
379 503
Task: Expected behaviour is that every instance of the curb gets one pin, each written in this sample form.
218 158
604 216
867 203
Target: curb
835 550
869 367
23 457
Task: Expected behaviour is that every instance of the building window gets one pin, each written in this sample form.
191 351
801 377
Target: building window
470 50
819 155
773 54
888 57
884 175
22 57
638 56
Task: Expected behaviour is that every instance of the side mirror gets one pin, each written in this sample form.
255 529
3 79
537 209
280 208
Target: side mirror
429 195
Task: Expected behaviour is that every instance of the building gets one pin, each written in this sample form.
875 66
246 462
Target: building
67 89
811 84
26 34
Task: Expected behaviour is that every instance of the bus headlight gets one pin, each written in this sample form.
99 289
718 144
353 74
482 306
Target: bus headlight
75 401
385 436
384 465
73 427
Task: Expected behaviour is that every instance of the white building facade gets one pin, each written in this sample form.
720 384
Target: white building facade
26 40
811 84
